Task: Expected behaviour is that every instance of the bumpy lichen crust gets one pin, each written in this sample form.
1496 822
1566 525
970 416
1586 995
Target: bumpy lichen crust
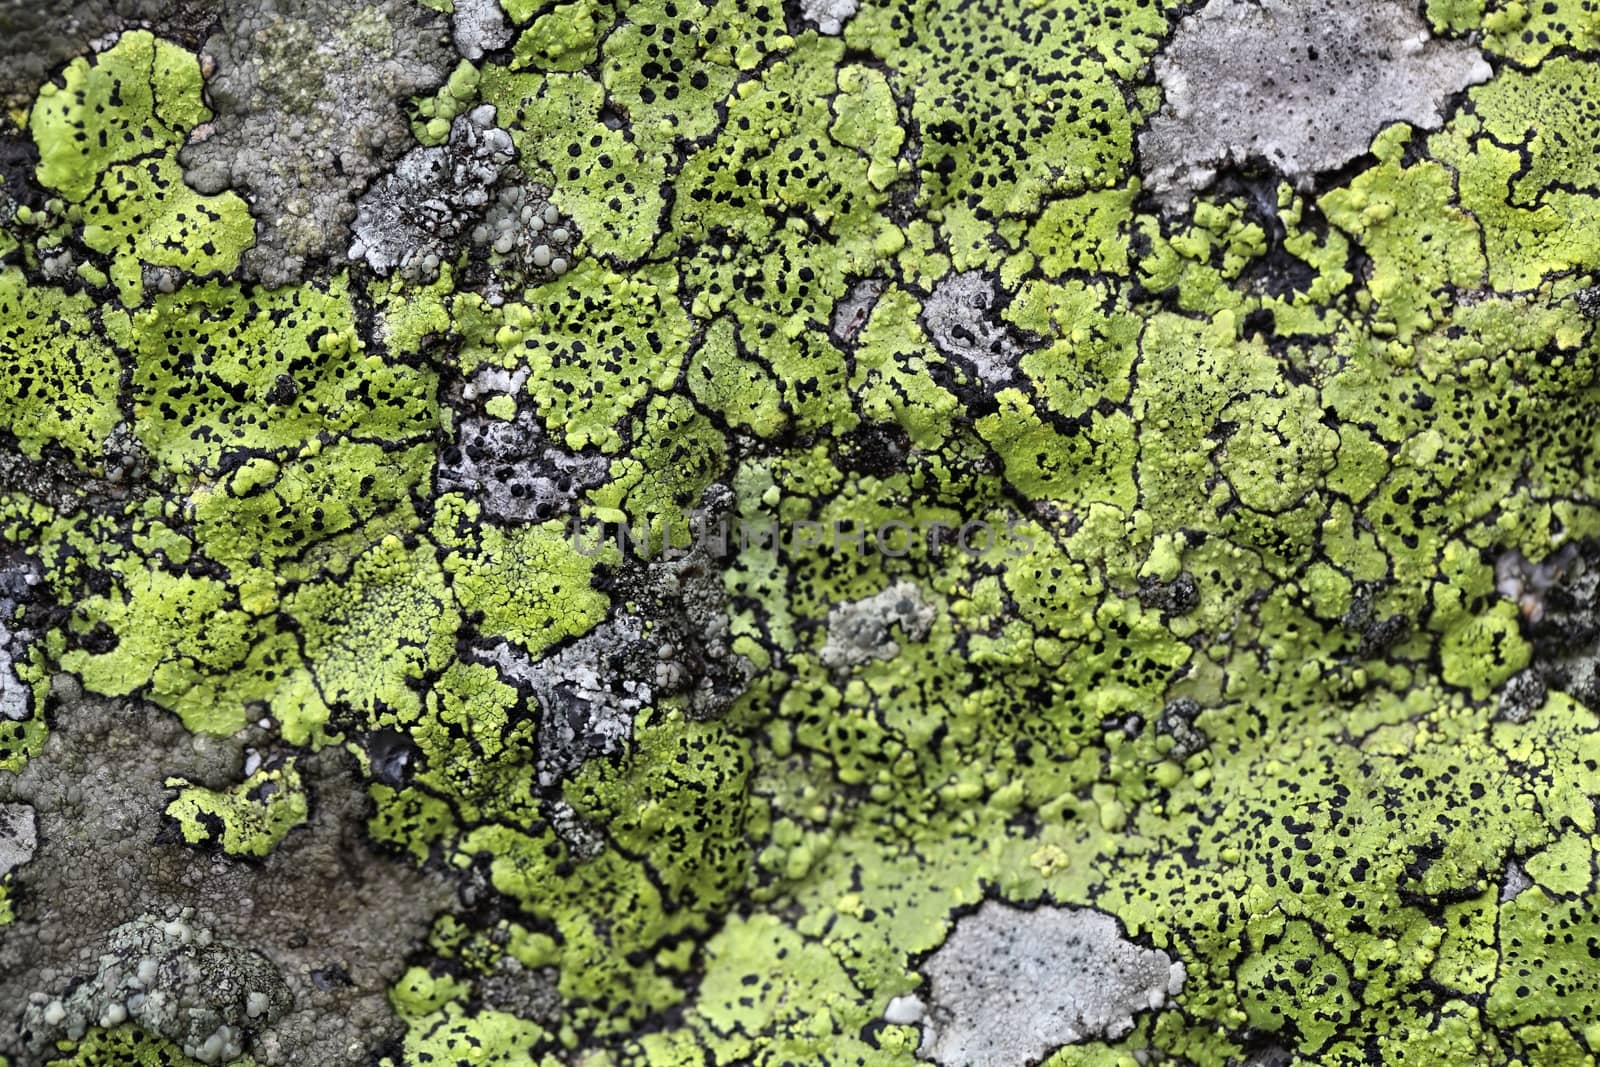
307 98
1222 566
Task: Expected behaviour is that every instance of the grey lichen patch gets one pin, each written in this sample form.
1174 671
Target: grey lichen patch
55 480
173 977
683 605
1529 584
962 317
324 902
411 220
1008 985
674 643
693 636
523 239
863 630
1558 600
18 582
586 694
479 26
1271 1056
851 313
1521 696
1588 301
584 838
18 837
1513 882
308 98
907 1010
1299 86
829 16
523 991
1177 722
55 263
513 470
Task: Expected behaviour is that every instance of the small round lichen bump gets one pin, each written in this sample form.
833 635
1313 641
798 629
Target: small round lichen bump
172 977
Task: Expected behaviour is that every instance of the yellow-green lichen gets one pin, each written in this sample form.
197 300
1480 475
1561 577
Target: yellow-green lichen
247 819
1217 565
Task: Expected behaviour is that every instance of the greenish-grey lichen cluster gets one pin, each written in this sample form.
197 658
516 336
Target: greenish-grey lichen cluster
1186 544
176 980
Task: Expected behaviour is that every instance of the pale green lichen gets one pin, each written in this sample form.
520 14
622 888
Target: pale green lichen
247 819
108 140
137 99
62 385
